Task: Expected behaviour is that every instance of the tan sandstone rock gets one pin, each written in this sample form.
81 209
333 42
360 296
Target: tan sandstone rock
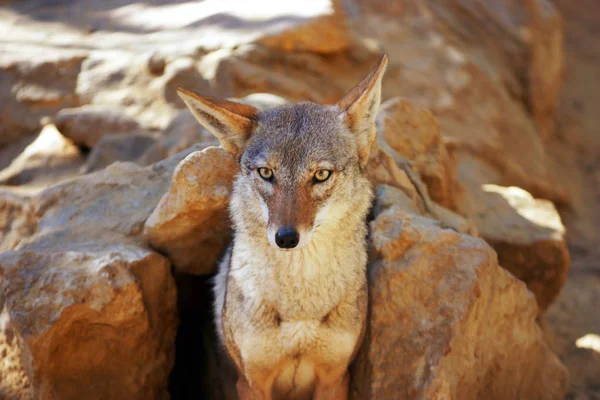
471 64
113 148
446 322
390 196
118 198
92 307
527 234
414 133
94 315
36 82
50 158
319 28
191 221
17 220
86 125
14 384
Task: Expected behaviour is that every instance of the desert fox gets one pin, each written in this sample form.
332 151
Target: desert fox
291 291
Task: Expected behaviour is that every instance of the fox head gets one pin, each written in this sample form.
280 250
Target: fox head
301 165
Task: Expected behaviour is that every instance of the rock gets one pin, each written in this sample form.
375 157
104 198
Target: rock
34 84
414 133
298 76
382 169
573 331
531 48
191 222
14 384
94 314
48 159
527 234
118 198
471 66
390 196
181 72
157 64
12 150
113 148
17 220
121 81
82 280
182 132
320 30
447 322
86 125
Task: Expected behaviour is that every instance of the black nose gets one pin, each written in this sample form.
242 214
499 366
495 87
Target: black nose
287 238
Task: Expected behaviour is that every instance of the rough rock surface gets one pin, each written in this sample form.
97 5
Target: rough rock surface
527 234
48 159
86 125
81 280
113 148
14 384
414 133
119 198
17 220
95 318
34 84
389 196
191 221
467 62
447 322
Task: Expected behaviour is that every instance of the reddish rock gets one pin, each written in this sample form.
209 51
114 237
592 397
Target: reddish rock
447 322
94 314
191 222
414 133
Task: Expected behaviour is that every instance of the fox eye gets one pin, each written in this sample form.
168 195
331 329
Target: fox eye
321 175
265 173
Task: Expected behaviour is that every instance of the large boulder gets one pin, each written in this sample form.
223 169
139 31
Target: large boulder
476 66
94 315
118 198
34 83
446 321
80 279
191 222
527 234
86 125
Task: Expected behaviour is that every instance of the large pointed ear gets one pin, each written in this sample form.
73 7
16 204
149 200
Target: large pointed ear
360 108
232 123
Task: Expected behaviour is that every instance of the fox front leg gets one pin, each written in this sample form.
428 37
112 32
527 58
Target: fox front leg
333 390
245 392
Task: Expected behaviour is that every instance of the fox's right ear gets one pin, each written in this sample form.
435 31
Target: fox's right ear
232 123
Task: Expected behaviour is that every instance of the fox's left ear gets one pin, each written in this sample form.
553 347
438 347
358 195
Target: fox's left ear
232 123
360 108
